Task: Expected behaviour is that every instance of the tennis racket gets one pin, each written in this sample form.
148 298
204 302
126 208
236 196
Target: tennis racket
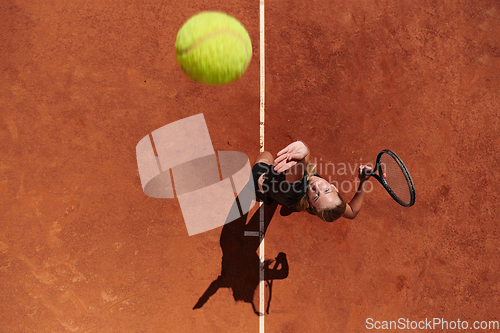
392 173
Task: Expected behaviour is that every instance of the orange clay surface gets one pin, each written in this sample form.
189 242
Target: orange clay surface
82 249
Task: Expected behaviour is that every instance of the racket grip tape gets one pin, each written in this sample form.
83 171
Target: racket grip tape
367 172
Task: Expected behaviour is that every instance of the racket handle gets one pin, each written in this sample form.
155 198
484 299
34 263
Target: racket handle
367 172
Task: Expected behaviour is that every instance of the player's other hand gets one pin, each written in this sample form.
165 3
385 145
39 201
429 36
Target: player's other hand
290 155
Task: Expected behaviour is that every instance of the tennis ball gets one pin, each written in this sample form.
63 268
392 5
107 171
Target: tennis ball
213 48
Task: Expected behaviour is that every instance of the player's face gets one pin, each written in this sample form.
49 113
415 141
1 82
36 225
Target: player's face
322 194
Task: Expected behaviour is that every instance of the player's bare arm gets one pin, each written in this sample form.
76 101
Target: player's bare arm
354 206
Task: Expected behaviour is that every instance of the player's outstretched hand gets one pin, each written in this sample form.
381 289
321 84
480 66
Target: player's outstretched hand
290 155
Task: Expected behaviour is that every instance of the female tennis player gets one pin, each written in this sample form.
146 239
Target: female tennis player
292 181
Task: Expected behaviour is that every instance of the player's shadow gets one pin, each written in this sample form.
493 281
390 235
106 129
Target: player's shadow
241 268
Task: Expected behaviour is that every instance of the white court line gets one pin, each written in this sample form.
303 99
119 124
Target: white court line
262 118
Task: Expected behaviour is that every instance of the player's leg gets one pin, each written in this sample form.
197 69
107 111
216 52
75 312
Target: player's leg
262 165
267 158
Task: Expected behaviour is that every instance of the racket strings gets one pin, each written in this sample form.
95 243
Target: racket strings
395 178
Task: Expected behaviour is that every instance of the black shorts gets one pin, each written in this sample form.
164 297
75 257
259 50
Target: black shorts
257 170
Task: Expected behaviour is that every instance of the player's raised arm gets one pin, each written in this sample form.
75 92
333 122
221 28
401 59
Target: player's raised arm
352 209
293 159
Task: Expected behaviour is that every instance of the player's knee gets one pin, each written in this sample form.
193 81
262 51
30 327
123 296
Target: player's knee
265 157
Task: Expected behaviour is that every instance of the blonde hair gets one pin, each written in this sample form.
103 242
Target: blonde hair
328 215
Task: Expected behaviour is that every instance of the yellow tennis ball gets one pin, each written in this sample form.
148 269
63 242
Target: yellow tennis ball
213 48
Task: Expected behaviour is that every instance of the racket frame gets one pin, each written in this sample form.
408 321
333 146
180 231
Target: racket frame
379 176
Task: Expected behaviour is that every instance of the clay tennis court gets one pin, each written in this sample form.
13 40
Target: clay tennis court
83 249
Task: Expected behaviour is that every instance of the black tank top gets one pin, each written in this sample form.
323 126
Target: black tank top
288 194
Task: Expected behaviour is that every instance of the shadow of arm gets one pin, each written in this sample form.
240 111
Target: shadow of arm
281 273
211 290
